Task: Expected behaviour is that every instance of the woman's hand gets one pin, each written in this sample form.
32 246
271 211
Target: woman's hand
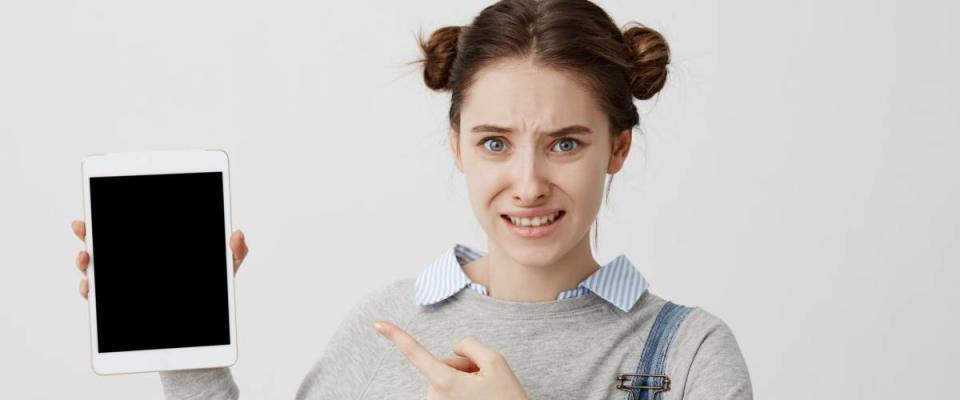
237 243
479 372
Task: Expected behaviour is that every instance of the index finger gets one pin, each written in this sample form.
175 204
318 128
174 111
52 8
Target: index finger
435 370
79 228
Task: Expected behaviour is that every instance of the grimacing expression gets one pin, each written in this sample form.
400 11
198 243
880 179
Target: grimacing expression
515 157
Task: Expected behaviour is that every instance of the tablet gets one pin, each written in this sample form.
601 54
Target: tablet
160 272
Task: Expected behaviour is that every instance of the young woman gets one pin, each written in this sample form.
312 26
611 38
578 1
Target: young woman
541 110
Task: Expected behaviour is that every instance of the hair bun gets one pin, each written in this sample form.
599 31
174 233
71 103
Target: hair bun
649 56
439 52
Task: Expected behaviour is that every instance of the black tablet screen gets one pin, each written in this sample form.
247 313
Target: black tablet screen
159 258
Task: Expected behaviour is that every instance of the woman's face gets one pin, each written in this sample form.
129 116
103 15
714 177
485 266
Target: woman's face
534 147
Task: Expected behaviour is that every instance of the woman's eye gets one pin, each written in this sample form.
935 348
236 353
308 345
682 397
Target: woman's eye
493 144
566 145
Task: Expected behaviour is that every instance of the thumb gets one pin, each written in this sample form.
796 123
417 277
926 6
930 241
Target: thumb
239 247
481 354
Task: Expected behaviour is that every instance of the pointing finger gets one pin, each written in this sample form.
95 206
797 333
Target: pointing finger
435 371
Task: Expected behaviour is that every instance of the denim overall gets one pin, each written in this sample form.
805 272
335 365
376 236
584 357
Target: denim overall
650 381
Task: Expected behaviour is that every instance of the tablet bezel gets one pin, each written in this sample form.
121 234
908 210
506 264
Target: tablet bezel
149 163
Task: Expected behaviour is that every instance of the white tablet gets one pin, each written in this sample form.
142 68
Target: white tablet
160 273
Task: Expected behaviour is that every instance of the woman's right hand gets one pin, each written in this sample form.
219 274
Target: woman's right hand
237 243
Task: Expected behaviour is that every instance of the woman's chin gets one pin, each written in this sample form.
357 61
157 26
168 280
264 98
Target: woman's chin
540 254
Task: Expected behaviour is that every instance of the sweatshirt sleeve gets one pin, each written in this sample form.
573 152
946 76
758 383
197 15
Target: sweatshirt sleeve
718 370
208 383
355 351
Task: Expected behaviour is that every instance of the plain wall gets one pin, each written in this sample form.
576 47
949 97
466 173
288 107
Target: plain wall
797 176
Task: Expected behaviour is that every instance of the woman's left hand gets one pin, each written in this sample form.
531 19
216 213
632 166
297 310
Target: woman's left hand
479 372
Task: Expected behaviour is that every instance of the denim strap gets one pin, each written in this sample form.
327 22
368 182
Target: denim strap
650 380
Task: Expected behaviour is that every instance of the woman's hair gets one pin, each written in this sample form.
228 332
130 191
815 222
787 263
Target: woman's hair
574 36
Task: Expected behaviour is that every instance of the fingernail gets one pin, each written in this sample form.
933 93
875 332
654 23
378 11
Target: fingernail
241 235
378 326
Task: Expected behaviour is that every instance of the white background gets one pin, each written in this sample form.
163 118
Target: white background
798 176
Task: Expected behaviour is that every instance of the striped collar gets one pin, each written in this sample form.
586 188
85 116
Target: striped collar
618 281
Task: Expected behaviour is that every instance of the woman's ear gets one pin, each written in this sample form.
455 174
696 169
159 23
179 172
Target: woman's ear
621 146
454 138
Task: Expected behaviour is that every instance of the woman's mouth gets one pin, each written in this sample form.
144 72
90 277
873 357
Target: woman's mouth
534 221
533 227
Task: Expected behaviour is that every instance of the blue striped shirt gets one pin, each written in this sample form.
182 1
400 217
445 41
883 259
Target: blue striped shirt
618 281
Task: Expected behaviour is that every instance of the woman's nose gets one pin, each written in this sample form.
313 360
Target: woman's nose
530 182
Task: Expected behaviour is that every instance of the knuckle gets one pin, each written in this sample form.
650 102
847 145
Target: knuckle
408 352
498 360
444 383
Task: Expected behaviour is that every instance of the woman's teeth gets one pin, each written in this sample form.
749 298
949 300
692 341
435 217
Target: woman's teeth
535 221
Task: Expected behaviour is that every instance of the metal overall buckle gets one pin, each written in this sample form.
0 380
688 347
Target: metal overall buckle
624 378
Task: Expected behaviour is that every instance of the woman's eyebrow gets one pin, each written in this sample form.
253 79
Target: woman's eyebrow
569 130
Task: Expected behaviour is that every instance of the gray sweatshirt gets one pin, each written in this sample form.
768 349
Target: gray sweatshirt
569 349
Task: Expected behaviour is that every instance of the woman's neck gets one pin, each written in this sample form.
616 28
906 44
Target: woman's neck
506 279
